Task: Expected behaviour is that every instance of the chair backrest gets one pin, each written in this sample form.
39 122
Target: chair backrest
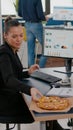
11 120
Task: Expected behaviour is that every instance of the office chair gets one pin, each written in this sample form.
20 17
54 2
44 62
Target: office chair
14 120
11 120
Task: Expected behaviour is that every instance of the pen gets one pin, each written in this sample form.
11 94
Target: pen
62 72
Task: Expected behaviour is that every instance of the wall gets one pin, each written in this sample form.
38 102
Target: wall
7 8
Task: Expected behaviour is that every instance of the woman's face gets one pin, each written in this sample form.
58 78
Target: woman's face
14 37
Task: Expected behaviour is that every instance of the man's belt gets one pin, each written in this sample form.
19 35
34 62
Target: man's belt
33 21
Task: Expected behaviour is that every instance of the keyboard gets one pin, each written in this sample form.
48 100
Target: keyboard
45 77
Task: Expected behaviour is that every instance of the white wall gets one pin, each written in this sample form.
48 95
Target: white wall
7 7
43 4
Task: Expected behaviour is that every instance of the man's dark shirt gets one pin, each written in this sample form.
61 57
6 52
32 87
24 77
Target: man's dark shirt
31 10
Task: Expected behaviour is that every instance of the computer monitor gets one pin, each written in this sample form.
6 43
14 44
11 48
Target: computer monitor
63 13
58 42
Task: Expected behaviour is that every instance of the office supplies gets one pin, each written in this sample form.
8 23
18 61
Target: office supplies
62 72
45 77
61 91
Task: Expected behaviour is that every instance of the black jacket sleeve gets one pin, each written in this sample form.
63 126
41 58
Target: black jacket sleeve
9 78
25 74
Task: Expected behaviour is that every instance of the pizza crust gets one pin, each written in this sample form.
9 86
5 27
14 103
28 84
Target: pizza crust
53 103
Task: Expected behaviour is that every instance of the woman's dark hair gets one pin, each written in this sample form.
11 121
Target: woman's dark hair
9 22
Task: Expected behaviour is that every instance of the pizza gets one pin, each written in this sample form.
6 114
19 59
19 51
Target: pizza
53 103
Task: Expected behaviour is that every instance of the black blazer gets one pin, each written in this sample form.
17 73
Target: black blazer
11 84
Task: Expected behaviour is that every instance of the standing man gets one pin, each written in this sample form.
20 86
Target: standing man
32 13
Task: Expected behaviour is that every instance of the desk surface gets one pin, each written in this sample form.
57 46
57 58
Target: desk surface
44 87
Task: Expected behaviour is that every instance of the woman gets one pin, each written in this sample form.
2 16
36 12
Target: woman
12 75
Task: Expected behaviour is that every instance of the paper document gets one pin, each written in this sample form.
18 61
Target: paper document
63 92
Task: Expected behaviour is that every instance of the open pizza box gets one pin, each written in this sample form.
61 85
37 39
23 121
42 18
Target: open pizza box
33 106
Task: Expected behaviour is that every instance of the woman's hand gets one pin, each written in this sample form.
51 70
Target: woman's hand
35 93
33 68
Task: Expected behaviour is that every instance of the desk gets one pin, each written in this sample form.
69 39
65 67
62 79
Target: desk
44 87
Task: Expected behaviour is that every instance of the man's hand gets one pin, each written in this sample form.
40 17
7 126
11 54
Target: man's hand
46 17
